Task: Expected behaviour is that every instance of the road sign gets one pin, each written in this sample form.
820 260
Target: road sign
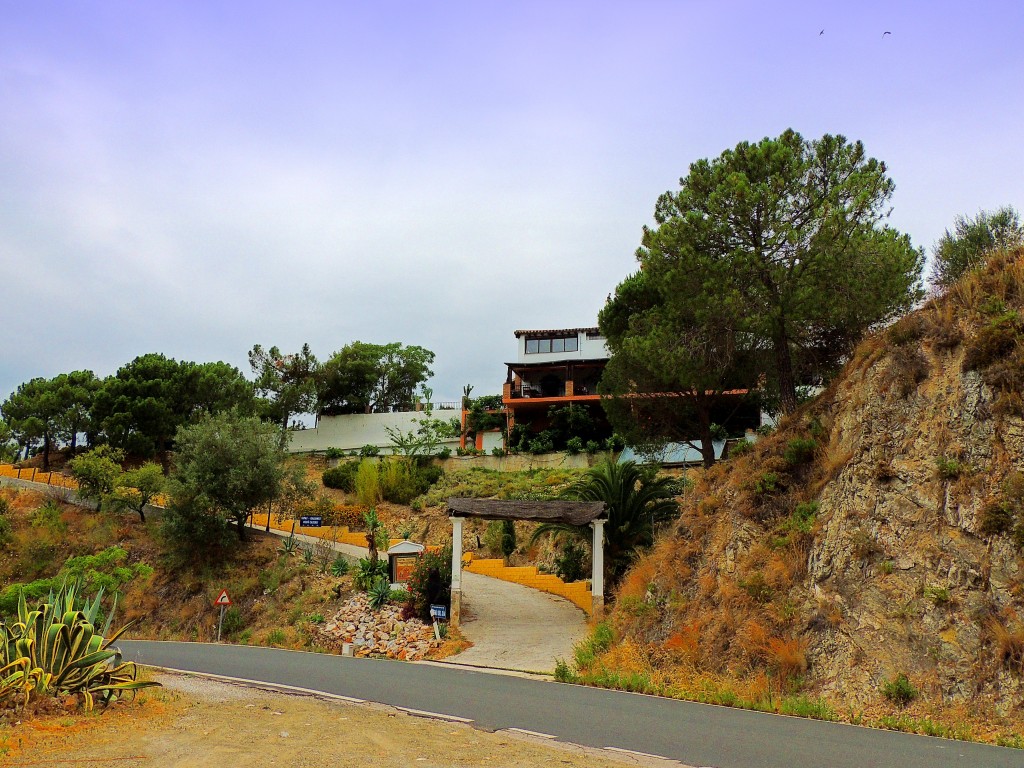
439 611
222 598
311 521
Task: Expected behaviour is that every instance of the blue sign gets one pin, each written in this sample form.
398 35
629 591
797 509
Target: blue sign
311 521
439 611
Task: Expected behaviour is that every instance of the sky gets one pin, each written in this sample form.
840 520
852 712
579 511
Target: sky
194 178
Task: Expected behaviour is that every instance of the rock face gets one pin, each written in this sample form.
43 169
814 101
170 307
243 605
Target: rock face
896 565
377 633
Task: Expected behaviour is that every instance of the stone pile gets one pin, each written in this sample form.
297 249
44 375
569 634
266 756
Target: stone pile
377 633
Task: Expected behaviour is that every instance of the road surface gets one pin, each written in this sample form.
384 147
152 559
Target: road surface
694 734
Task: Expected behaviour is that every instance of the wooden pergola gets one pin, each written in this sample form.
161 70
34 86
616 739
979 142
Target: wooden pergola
578 513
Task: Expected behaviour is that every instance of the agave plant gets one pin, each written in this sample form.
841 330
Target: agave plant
379 593
55 649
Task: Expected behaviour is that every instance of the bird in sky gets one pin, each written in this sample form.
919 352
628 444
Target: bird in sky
886 33
821 33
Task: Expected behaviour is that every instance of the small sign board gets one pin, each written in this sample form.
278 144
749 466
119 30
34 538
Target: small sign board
222 598
311 521
439 611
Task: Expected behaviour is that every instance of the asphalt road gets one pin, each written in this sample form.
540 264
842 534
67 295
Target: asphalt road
694 734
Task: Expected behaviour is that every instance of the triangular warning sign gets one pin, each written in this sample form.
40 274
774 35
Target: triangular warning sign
222 598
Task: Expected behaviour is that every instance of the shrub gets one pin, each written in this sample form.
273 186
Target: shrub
995 341
342 477
368 571
564 673
367 483
938 595
996 518
1009 644
588 649
398 482
757 588
907 330
800 451
97 473
498 451
802 706
232 621
379 593
574 445
542 443
948 468
740 447
508 537
803 517
444 453
340 566
430 583
592 447
368 451
569 565
47 516
899 690
768 482
908 367
276 637
334 453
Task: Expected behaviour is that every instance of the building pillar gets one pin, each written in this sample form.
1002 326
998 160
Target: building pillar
456 571
597 574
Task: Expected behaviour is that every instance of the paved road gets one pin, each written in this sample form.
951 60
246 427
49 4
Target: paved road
694 734
516 627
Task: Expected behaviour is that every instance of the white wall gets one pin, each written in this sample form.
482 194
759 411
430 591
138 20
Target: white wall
353 431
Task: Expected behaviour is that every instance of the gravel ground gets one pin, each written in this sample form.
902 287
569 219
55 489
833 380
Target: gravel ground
200 723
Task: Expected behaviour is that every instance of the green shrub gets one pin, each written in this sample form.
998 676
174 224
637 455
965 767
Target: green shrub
569 565
757 588
564 673
232 621
368 451
508 537
423 589
498 451
592 447
587 650
803 517
802 706
47 516
367 483
492 537
368 572
6 533
340 566
740 448
379 593
334 453
948 468
939 596
768 482
574 445
276 637
899 690
542 443
444 453
996 518
342 477
800 450
398 481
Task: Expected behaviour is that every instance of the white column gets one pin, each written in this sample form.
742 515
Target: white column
597 575
456 570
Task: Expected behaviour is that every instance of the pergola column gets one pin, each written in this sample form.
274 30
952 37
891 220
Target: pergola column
597 574
456 570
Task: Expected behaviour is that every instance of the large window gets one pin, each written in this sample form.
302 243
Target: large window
546 344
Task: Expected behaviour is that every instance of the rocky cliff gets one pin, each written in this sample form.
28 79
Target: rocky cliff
878 532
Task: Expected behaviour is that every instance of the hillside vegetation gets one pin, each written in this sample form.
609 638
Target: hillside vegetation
865 561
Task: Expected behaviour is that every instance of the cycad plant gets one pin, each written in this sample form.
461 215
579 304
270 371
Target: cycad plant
54 649
636 503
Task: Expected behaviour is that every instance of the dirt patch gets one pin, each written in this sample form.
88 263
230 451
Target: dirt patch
201 723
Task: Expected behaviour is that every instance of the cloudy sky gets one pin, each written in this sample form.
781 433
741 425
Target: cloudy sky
196 177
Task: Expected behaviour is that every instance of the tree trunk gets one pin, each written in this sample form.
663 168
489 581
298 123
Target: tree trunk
270 509
371 545
74 441
142 512
241 526
707 446
784 371
46 451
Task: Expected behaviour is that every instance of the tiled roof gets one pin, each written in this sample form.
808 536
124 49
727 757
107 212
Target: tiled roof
556 331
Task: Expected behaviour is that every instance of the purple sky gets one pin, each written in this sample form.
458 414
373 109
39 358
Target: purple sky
199 177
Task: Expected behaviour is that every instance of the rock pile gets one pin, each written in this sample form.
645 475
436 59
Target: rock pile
377 633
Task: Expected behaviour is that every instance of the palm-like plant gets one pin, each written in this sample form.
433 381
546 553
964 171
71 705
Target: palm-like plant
636 503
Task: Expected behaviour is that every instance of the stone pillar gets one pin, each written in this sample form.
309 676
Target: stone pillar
456 570
597 576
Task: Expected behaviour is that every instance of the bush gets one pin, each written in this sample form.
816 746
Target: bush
574 445
444 453
342 477
996 518
508 537
899 690
757 588
368 572
334 453
379 593
430 583
398 482
948 469
800 451
993 342
47 516
340 566
368 451
802 519
232 621
569 565
740 447
193 530
367 483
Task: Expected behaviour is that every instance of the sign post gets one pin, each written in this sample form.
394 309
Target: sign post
438 612
223 601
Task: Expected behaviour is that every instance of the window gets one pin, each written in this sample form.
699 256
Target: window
543 345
